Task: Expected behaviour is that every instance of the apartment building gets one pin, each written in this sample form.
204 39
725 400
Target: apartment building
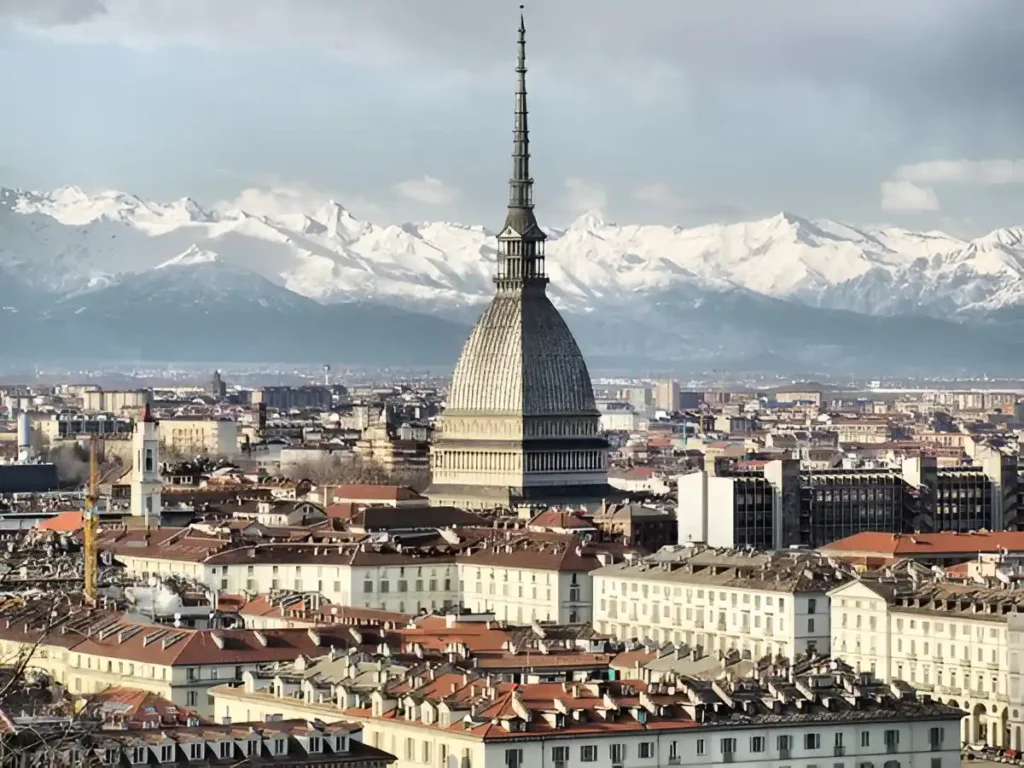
115 401
760 604
189 436
360 575
89 651
437 718
947 640
777 504
530 577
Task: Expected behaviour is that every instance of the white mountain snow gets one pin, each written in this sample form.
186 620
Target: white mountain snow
69 241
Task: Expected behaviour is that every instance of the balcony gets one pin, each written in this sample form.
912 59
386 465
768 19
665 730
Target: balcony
720 626
838 751
785 754
892 748
728 757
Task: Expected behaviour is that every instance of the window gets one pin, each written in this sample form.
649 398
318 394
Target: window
560 756
812 741
139 755
784 743
728 746
617 752
646 750
757 743
936 762
839 739
935 737
367 586
192 698
810 625
673 753
425 753
410 749
588 753
812 606
513 758
701 747
195 751
892 740
225 749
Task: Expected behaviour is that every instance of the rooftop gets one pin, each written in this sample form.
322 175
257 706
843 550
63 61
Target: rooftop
941 544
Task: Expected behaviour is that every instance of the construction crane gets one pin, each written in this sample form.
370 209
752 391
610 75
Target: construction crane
90 528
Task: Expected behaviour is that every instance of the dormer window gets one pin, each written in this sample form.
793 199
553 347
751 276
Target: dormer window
342 745
226 749
279 747
139 754
195 751
314 744
166 753
111 755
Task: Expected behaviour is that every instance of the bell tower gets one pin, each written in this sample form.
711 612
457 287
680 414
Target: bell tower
146 483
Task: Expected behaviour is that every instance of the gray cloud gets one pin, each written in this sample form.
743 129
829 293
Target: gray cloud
947 54
50 13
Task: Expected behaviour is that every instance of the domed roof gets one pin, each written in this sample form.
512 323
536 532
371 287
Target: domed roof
521 359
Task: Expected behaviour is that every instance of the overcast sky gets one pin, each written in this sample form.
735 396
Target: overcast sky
674 111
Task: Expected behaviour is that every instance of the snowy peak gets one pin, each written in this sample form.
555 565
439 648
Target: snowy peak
70 240
190 258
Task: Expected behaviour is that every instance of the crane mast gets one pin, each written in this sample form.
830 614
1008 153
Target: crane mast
89 530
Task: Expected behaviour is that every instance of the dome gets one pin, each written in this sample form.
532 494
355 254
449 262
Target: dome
521 358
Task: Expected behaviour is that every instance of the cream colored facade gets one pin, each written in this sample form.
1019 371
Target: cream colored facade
958 657
524 595
84 673
418 742
212 437
111 401
403 589
761 621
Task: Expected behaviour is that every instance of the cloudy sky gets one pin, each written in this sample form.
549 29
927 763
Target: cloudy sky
675 111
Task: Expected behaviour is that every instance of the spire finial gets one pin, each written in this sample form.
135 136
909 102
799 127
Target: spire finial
521 185
521 242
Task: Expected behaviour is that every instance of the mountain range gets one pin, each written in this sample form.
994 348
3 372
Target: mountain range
110 276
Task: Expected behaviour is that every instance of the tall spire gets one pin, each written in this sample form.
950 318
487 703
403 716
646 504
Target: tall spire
520 199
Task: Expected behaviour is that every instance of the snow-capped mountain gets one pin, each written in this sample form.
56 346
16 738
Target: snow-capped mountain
703 292
67 240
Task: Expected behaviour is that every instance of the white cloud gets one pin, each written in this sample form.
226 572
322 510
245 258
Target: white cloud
661 195
286 199
989 172
428 190
907 196
582 195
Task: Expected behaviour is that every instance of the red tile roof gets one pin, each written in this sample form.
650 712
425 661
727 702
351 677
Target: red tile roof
65 522
941 544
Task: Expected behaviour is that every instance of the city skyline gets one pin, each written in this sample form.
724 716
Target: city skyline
665 112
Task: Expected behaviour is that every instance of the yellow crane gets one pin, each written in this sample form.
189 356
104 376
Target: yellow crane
90 528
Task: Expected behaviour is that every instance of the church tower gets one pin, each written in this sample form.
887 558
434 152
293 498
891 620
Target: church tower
146 483
520 423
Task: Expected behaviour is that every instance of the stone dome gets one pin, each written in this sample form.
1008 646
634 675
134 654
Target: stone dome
521 358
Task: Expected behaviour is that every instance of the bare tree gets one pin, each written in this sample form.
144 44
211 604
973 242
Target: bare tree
332 470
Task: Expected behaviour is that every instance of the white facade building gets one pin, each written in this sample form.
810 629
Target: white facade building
759 603
456 720
947 640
